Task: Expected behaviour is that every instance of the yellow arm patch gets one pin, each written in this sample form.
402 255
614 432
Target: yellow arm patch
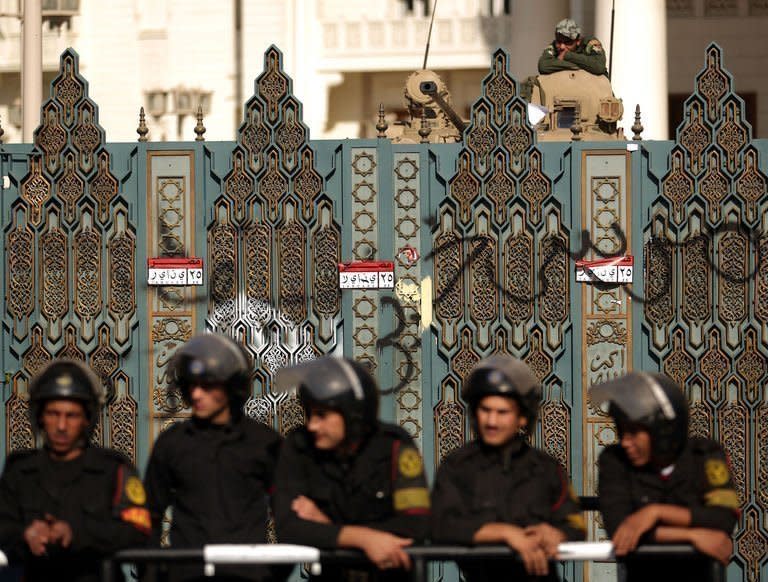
411 498
717 472
134 491
722 498
409 463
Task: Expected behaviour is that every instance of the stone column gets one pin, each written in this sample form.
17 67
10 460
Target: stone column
639 62
32 68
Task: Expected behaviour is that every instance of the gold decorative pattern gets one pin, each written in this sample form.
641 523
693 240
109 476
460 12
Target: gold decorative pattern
697 290
54 259
761 437
69 187
713 186
519 277
553 301
483 293
677 186
555 430
292 296
20 272
734 420
732 288
751 184
535 187
678 365
712 83
752 367
714 365
19 434
258 266
694 136
450 417
88 276
752 544
35 190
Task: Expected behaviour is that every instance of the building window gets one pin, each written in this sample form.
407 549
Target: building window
680 8
721 8
60 7
417 7
499 7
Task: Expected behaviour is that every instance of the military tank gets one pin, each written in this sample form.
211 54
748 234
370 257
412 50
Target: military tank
573 105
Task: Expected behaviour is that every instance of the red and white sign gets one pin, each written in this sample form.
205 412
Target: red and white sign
175 271
610 270
367 275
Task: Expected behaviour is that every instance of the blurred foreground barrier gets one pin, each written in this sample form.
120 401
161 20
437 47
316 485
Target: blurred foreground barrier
220 554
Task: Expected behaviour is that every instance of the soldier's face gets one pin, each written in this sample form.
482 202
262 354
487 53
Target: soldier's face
327 427
64 423
210 403
636 442
499 420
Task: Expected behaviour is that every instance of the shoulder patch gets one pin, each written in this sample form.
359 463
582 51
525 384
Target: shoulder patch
594 46
134 491
727 498
717 472
549 51
409 463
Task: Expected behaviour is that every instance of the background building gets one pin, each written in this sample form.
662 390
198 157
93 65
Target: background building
346 57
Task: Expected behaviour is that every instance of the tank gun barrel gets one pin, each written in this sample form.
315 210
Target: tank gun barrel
430 88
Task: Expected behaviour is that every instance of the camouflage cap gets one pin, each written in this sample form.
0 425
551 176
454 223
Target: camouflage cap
568 28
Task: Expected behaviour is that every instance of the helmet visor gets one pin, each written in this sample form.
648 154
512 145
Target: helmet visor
637 396
324 379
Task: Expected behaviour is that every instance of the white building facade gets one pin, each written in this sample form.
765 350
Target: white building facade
346 57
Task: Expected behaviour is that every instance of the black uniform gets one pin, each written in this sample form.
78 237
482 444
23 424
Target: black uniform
216 478
98 494
382 486
700 481
516 484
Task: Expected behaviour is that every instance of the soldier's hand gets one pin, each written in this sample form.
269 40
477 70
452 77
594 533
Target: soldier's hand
712 542
632 528
386 550
548 537
305 508
530 550
37 536
60 531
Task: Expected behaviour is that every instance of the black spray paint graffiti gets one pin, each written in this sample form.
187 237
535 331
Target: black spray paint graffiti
393 339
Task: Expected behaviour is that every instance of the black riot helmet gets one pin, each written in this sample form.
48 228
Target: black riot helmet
503 375
66 379
653 402
213 360
339 384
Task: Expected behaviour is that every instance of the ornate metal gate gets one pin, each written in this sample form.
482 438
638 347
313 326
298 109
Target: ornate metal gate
496 222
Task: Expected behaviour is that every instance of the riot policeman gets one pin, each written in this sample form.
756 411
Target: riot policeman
68 505
346 479
214 470
497 488
659 485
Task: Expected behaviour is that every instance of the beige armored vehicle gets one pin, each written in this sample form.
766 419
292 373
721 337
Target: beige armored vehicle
431 115
573 105
562 106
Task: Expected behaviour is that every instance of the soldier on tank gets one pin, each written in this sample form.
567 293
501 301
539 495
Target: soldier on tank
65 507
216 469
570 51
658 485
497 488
347 480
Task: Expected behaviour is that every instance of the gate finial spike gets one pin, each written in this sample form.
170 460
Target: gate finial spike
199 128
381 125
576 130
2 132
142 130
424 130
637 127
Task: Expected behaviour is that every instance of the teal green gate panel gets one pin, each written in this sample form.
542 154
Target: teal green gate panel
483 235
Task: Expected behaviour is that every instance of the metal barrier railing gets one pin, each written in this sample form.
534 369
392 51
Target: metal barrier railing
270 554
